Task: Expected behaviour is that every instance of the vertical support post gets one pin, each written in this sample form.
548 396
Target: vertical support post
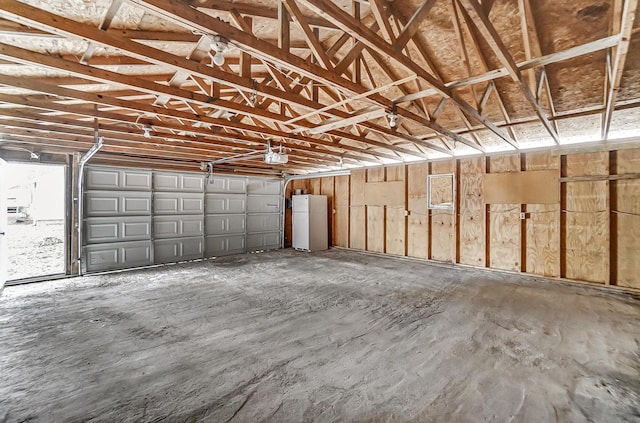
523 222
563 218
487 220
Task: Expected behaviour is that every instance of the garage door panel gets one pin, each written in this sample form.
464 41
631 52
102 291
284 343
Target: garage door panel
102 232
136 254
164 181
264 241
192 205
225 204
165 203
179 249
264 186
192 226
118 255
136 180
224 245
225 184
102 259
263 222
136 205
263 204
215 184
120 179
105 203
102 178
97 206
225 224
178 226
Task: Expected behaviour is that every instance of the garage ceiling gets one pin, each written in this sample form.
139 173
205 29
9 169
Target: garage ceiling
323 79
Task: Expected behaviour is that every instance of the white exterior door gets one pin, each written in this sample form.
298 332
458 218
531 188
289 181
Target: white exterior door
3 224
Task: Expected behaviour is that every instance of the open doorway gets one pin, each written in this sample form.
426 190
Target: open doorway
35 230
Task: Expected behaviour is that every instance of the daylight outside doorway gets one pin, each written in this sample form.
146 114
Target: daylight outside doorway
35 232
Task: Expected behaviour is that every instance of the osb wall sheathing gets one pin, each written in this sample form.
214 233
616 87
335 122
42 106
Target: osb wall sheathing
592 234
586 215
471 220
418 219
504 221
376 228
625 194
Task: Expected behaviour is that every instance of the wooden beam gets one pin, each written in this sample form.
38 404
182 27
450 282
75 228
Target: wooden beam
413 24
251 10
92 112
571 53
628 15
347 23
104 25
47 21
284 32
378 9
115 135
192 18
312 41
108 77
44 20
480 21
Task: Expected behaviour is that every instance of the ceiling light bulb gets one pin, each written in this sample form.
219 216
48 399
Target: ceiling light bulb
147 132
393 116
218 59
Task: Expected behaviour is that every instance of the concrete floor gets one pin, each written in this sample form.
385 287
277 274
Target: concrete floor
330 337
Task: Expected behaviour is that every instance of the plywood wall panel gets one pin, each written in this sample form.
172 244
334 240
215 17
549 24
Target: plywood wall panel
442 232
417 222
542 230
471 212
504 222
358 216
627 161
302 184
375 216
314 186
586 164
341 205
587 231
626 220
570 239
587 246
395 218
395 173
326 188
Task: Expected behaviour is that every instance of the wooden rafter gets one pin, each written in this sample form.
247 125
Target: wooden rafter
480 20
202 22
310 37
628 15
331 12
571 53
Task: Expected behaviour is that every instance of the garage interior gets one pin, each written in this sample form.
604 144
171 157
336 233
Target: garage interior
481 166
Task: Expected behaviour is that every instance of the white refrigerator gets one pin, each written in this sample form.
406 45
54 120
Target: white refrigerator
310 223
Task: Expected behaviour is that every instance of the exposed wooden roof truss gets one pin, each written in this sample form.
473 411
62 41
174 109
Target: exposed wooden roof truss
322 78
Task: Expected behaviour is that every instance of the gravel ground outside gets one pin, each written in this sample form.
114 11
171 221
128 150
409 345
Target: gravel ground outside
34 250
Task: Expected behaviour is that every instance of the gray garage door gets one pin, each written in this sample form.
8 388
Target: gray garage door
225 222
135 218
117 224
264 214
178 216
